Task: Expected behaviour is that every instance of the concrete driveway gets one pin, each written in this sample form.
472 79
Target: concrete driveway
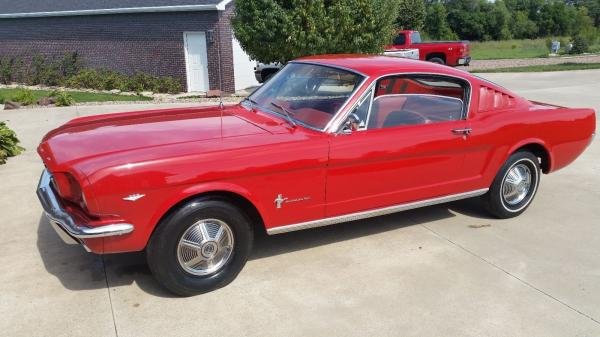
442 270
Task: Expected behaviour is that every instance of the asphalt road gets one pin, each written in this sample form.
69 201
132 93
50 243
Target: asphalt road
442 270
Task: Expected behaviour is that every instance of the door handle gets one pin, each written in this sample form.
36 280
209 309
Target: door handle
462 132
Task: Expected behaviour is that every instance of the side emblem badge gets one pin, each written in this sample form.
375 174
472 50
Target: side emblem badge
134 197
279 200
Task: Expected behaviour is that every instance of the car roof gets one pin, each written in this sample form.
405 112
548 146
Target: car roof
379 65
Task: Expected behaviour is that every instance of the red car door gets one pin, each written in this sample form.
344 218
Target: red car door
412 148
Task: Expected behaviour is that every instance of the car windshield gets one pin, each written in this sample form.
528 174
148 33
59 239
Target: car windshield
307 94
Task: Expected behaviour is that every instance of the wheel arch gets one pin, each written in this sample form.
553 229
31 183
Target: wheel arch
237 196
436 54
539 149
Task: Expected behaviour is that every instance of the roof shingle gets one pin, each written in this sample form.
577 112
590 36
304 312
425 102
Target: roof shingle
9 8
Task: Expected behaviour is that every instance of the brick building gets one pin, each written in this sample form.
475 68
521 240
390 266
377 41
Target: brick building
189 39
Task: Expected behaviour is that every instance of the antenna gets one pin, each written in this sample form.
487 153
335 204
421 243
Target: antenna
220 68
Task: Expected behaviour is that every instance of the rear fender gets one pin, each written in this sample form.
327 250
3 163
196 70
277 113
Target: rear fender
533 141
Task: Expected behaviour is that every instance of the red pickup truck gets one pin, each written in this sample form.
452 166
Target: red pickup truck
452 53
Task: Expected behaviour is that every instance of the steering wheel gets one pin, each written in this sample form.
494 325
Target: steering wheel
405 117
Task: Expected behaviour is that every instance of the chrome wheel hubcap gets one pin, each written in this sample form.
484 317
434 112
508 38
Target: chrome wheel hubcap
516 184
205 247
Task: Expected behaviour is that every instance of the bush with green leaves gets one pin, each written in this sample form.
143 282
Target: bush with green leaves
282 30
7 66
9 143
580 45
62 98
108 80
24 96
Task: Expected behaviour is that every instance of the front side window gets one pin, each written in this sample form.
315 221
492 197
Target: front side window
311 94
415 100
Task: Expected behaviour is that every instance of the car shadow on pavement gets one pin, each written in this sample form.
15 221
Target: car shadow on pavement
78 270
267 245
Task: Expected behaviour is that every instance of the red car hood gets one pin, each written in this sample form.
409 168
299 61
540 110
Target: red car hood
100 135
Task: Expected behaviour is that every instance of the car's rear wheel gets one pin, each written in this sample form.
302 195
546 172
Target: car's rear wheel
436 60
515 186
200 247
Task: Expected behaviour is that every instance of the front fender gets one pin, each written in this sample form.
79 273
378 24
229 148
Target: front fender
188 192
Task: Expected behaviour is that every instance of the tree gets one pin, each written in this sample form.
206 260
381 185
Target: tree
523 27
593 7
281 30
436 25
411 14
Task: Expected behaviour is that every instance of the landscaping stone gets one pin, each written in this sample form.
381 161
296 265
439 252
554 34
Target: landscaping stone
213 93
146 93
9 105
115 91
44 101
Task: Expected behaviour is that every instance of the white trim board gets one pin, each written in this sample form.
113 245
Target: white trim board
157 9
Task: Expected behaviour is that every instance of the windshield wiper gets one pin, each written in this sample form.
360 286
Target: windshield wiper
288 115
251 101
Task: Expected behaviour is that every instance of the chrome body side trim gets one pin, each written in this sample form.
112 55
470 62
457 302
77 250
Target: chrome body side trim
375 212
60 219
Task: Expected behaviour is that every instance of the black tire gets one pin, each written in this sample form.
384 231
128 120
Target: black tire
436 60
267 75
496 203
162 250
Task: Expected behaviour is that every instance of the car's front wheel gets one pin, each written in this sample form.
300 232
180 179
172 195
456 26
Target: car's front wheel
515 186
200 247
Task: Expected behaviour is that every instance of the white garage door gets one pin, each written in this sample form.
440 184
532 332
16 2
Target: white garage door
243 68
196 60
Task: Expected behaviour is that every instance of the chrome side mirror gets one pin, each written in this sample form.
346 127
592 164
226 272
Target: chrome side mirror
347 128
353 123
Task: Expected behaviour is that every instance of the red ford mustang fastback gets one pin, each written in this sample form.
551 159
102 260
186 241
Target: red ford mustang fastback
328 139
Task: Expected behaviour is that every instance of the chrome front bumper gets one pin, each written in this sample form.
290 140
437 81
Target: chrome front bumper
64 224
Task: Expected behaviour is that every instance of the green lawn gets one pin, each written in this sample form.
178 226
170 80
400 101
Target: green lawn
78 96
518 49
551 67
509 49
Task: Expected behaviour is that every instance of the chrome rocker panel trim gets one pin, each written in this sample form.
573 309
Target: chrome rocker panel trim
375 212
61 220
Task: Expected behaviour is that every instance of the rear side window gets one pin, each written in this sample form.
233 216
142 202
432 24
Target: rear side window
415 37
414 100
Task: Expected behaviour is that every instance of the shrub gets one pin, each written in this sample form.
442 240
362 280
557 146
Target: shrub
24 96
8 143
43 72
62 98
142 82
168 85
70 64
87 78
580 45
109 80
289 29
6 70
